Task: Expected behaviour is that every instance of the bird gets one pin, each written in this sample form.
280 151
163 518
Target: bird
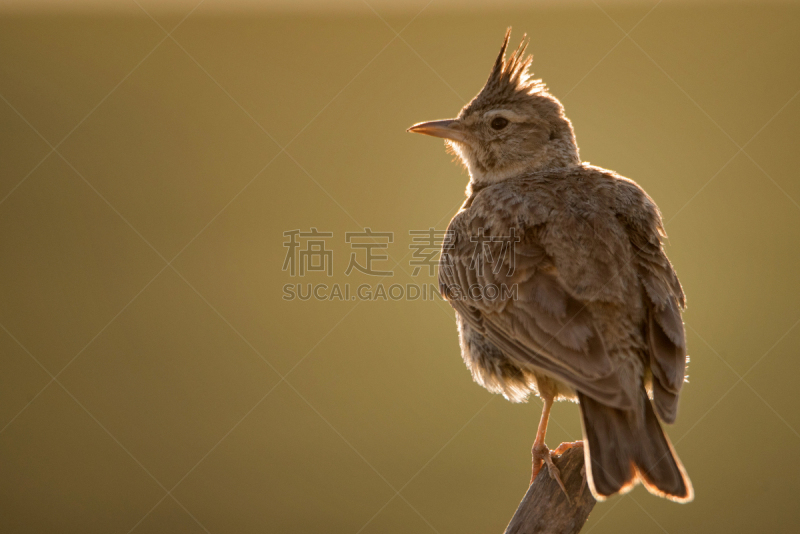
561 286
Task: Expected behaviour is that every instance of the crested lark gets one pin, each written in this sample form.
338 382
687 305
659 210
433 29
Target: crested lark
593 307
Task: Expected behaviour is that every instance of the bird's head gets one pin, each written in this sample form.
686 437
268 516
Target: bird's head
511 127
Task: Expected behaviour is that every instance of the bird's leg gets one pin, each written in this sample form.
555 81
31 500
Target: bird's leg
540 453
539 450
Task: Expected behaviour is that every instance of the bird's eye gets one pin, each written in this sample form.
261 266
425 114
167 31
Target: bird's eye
498 123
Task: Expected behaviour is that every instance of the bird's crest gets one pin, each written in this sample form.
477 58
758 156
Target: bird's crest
510 78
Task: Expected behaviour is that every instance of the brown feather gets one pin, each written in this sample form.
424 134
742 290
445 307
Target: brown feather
626 447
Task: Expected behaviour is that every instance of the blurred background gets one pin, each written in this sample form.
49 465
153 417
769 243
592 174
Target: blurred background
152 155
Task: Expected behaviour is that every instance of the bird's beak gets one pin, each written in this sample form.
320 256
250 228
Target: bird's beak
446 129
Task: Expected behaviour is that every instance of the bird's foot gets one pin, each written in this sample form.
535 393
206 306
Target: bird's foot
543 456
564 447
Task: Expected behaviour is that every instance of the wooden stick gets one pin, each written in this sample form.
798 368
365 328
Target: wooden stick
545 509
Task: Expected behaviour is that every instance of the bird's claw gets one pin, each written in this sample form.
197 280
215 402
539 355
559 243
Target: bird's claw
543 456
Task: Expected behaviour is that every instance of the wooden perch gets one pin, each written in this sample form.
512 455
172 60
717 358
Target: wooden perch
545 509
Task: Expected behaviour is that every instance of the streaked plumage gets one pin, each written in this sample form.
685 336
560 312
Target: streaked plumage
596 315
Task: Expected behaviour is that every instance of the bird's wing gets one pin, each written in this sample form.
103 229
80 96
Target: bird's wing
664 300
538 321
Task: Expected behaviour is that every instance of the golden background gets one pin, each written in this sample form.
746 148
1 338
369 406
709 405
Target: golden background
153 378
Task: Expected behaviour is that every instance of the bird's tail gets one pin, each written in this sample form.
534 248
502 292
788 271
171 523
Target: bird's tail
624 447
